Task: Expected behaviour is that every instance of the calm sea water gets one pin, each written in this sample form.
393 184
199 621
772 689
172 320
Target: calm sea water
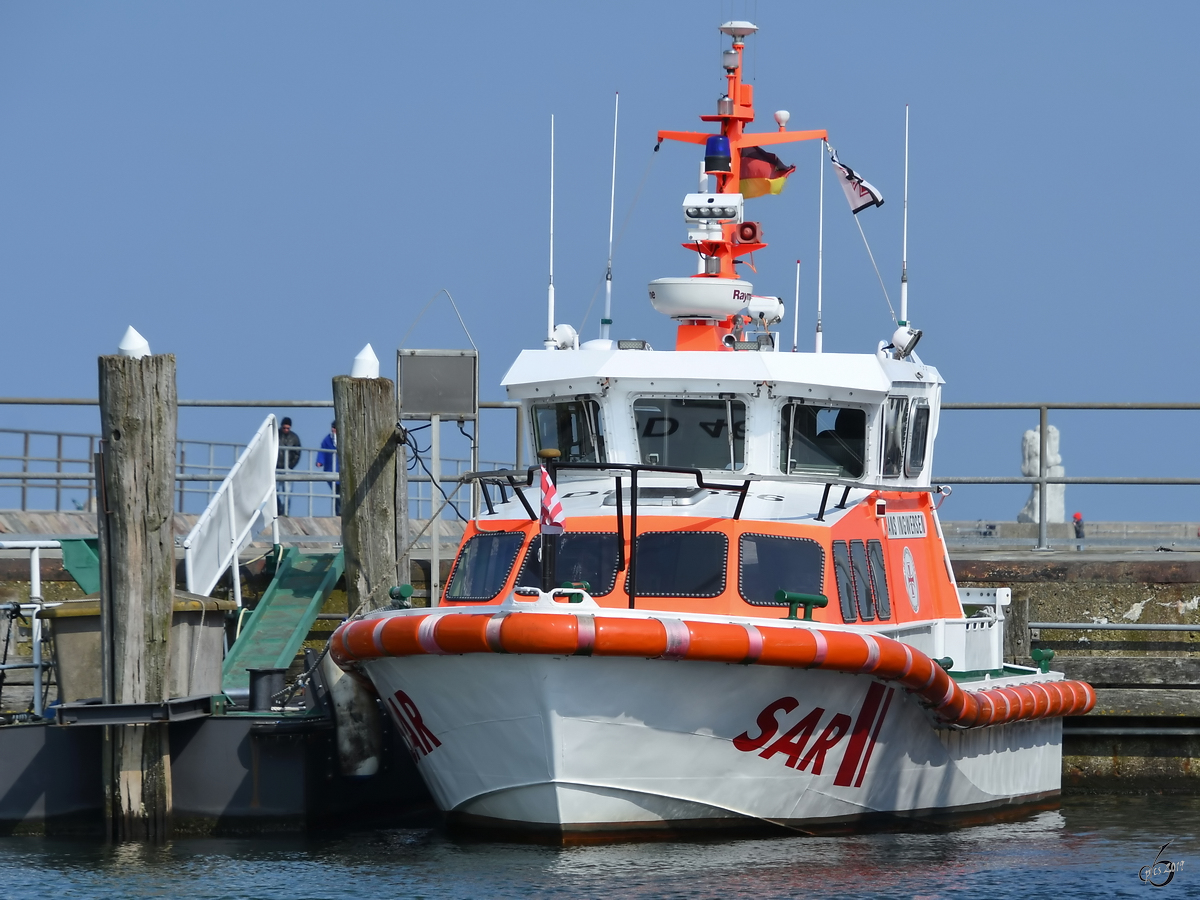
1091 847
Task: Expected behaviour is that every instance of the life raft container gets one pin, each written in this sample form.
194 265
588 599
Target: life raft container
563 634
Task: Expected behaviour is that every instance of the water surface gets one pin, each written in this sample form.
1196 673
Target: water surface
1091 847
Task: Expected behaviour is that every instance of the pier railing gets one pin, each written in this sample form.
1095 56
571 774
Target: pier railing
1043 479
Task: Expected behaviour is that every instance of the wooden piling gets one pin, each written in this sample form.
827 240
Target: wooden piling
365 410
138 413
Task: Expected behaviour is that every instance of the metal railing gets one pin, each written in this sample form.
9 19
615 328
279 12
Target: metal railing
1043 479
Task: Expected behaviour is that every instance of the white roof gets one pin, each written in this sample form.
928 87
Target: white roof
582 371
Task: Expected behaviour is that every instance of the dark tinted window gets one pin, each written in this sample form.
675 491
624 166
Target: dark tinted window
768 563
574 428
918 438
695 433
862 581
582 556
883 603
895 425
822 440
845 581
681 564
483 565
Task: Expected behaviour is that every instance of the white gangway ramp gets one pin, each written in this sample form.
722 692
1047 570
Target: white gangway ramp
243 506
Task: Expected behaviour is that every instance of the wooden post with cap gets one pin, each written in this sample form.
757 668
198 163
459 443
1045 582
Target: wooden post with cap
138 413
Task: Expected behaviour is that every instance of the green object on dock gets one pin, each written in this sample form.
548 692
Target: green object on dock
81 559
1042 658
284 615
808 601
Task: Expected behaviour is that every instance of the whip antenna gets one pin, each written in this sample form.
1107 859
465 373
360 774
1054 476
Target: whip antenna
550 342
612 203
904 250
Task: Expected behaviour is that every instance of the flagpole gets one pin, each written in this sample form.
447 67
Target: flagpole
612 202
550 343
796 318
820 243
904 251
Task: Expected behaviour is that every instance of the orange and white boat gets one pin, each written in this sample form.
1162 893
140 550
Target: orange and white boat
745 613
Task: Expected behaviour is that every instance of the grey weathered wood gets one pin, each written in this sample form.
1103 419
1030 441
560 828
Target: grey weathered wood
1120 671
365 410
138 412
1016 629
1147 702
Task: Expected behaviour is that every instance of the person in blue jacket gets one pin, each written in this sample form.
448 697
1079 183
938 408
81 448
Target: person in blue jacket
327 461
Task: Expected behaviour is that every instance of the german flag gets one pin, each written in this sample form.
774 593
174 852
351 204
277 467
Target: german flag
762 173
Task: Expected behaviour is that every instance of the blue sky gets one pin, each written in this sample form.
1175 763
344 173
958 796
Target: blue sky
263 188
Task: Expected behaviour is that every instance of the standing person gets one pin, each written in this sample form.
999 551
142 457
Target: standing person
287 459
1078 519
327 459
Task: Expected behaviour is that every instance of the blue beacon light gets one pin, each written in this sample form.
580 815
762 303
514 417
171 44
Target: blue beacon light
717 159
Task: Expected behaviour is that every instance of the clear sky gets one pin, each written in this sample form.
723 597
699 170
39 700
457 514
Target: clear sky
261 188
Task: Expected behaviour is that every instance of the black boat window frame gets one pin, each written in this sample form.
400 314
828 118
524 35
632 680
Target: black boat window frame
877 565
894 434
843 575
531 558
820 580
458 561
917 443
639 554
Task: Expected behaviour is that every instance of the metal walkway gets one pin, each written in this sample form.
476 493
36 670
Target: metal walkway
283 617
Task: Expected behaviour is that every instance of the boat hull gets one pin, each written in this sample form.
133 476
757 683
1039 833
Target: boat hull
594 746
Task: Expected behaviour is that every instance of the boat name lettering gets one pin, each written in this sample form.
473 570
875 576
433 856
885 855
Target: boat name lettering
421 741
906 525
794 745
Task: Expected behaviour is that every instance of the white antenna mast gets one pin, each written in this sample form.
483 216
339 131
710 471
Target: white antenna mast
820 243
904 251
606 322
550 342
796 318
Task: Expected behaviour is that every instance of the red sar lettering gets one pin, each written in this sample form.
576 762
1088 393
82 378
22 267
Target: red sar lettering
417 735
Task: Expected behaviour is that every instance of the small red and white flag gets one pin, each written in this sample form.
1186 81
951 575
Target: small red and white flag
859 193
553 516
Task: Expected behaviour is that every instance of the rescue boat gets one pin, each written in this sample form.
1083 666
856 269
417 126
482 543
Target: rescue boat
723 600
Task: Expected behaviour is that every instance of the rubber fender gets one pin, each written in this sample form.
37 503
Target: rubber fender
533 633
630 637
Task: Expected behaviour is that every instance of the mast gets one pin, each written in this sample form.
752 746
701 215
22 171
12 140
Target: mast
796 317
550 342
820 243
612 203
904 250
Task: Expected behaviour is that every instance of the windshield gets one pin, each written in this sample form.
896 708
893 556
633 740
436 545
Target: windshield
572 428
582 556
820 440
691 433
483 565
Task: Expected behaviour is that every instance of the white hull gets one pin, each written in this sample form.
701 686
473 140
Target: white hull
582 744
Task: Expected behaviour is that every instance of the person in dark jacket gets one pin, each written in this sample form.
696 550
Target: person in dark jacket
287 459
1079 532
327 460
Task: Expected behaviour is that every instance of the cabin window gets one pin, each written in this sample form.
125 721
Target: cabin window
483 565
589 556
879 585
701 434
895 426
845 581
768 563
681 563
918 439
863 595
572 427
822 440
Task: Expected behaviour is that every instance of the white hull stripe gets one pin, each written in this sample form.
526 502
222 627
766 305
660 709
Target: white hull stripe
377 636
756 643
425 636
491 634
678 638
587 635
822 648
908 660
872 653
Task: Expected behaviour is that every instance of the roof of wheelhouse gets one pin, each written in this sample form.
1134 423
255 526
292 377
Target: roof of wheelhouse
545 372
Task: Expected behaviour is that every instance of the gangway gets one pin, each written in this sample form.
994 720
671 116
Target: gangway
283 617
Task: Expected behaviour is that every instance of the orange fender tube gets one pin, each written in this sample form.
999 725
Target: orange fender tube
630 637
718 642
531 633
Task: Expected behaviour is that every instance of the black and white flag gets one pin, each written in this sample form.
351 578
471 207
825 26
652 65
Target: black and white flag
860 193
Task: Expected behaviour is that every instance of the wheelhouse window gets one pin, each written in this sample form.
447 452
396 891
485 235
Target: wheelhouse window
822 440
583 556
862 580
483 565
572 427
681 564
768 563
895 427
697 433
918 439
